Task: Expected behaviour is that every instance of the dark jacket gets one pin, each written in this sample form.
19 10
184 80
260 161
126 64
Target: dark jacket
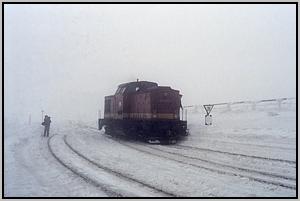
47 121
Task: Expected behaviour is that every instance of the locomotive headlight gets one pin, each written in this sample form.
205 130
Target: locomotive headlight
154 115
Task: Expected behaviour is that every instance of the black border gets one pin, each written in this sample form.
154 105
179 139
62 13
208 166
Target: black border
296 3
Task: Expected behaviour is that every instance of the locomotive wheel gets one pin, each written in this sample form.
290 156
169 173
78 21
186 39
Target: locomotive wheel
109 131
152 141
168 141
187 132
172 141
169 133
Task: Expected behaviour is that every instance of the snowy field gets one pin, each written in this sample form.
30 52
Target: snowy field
245 153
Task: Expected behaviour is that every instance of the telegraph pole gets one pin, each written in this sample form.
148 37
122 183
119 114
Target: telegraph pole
42 115
99 117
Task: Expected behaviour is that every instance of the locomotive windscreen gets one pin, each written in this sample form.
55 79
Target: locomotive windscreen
132 87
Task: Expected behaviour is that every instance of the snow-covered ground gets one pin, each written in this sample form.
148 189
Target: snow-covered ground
245 153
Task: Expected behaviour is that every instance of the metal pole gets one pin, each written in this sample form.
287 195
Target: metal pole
279 103
182 113
253 105
42 115
229 106
186 114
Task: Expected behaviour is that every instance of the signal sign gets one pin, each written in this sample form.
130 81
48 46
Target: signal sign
208 108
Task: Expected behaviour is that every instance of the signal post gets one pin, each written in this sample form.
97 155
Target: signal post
208 117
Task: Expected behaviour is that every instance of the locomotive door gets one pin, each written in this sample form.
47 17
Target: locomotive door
119 106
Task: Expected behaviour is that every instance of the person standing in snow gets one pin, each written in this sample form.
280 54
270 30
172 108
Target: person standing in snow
46 123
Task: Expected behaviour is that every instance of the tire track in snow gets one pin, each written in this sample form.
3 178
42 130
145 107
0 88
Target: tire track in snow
119 174
214 170
235 154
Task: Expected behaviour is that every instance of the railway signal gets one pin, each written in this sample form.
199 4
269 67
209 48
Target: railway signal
208 117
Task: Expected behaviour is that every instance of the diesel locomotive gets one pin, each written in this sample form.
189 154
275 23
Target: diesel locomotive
145 110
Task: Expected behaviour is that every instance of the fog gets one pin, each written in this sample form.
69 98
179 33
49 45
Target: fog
64 59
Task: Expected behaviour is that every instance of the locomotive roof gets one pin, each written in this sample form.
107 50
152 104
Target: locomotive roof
133 86
140 86
139 83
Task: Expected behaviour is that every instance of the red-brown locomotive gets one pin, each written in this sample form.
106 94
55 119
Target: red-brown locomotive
146 110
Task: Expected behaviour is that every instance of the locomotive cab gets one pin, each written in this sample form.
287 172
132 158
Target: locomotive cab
166 103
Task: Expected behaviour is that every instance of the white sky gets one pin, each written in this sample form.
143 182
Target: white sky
66 58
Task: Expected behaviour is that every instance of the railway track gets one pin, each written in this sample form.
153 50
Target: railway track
182 160
231 153
268 178
109 190
251 171
229 166
235 154
248 144
119 174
